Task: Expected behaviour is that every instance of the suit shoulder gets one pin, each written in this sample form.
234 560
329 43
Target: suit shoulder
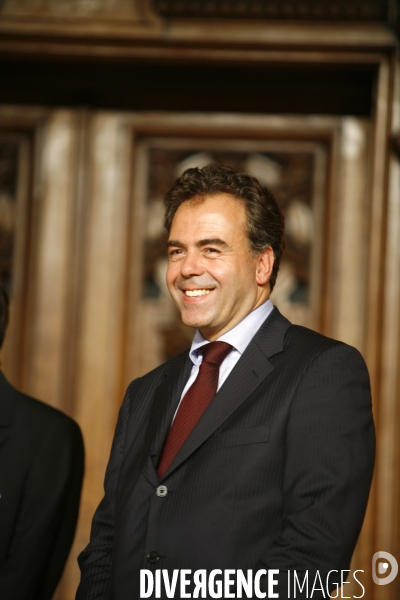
305 336
40 417
309 343
37 429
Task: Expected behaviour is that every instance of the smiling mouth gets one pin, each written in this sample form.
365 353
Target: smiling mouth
192 293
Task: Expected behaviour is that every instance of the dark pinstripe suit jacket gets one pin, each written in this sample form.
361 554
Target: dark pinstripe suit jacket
276 473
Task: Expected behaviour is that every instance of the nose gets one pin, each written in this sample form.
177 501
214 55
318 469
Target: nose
191 264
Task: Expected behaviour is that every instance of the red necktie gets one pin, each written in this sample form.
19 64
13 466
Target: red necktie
194 403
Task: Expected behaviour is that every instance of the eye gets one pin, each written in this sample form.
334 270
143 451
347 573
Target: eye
175 253
211 250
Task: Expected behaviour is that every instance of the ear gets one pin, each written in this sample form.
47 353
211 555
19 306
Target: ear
265 264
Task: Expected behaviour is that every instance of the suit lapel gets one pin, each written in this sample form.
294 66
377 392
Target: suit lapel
252 368
165 403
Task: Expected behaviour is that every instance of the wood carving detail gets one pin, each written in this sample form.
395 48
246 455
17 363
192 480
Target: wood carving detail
114 9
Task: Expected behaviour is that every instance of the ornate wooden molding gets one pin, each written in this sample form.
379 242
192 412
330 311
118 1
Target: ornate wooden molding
135 11
312 10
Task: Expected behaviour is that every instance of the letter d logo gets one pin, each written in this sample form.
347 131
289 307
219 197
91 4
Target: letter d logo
383 567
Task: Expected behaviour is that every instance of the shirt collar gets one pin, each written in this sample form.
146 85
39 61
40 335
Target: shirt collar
239 336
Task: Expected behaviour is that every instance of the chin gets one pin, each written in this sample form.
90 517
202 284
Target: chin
193 322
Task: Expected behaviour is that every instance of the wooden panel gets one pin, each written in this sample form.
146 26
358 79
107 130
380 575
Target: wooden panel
98 368
387 225
44 377
348 245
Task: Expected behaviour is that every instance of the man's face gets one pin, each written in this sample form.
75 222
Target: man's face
212 276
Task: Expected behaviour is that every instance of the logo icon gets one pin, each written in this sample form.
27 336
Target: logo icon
383 568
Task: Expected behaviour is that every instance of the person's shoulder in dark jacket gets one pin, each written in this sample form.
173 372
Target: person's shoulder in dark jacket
41 471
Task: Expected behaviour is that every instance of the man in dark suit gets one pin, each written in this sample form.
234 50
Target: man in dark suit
41 470
271 472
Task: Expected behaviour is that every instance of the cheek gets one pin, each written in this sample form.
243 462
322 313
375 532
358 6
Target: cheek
170 275
220 270
170 280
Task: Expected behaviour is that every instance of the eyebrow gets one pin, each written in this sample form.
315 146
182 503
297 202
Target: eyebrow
200 243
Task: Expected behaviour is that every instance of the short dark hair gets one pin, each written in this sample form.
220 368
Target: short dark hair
4 302
265 221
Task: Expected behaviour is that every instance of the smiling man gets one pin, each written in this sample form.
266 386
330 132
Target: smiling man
252 452
213 277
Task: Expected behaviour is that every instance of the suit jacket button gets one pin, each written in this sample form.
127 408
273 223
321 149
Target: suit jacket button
153 557
162 491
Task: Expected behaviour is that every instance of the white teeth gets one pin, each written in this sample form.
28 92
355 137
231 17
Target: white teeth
197 292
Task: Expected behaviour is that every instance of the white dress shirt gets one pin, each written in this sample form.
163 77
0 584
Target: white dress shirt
239 337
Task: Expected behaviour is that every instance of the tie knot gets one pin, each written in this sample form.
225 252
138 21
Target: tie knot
215 352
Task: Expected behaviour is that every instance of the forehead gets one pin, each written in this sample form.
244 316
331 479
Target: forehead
217 212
